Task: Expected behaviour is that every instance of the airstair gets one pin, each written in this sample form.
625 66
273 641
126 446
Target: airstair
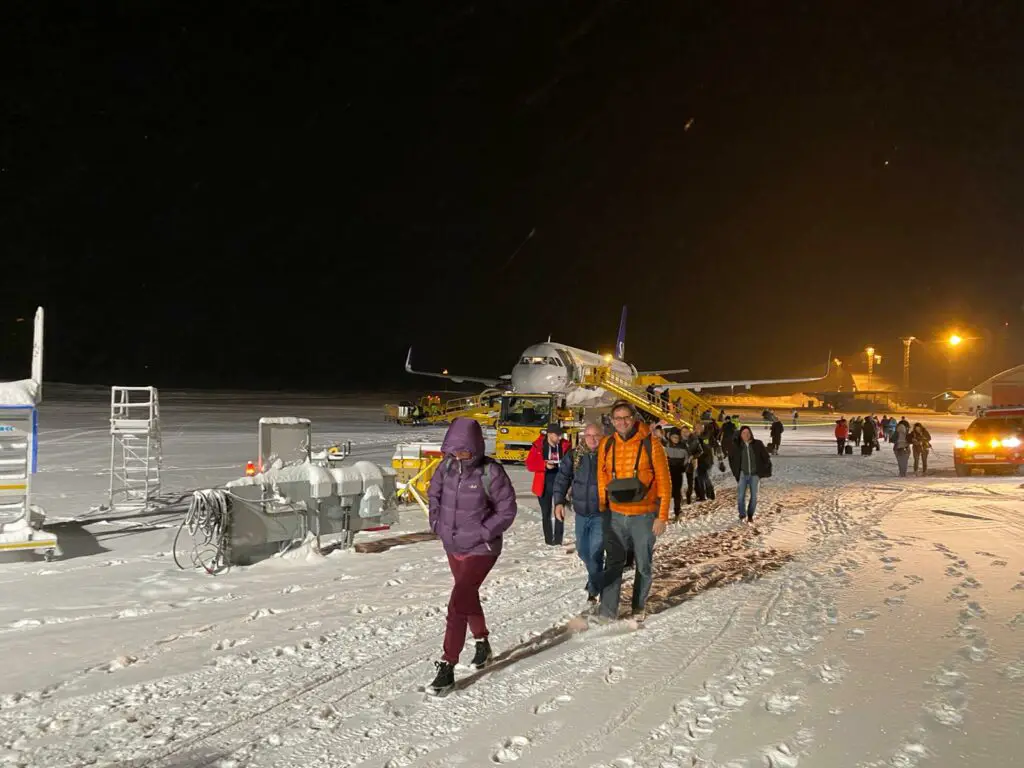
639 397
692 405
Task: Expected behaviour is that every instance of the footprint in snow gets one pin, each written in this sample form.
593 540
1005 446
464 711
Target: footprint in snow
226 644
260 613
552 704
976 651
291 589
1017 622
856 634
890 559
119 663
511 750
999 563
614 675
866 615
393 583
954 572
899 600
985 554
970 583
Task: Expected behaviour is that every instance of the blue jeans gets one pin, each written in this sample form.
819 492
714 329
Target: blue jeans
751 482
623 533
590 548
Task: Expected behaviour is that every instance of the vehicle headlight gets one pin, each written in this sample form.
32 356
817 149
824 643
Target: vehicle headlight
996 442
961 443
1011 442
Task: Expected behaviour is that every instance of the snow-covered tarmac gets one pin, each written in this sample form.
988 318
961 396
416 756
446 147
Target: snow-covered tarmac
892 636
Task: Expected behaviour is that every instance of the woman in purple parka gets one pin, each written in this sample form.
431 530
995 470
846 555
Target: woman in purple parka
472 502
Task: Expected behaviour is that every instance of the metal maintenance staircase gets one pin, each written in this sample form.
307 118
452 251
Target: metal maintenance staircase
136 451
638 397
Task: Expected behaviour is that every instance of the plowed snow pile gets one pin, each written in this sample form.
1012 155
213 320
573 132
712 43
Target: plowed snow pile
866 620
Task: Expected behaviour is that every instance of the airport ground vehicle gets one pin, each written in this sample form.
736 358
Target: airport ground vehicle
994 442
524 416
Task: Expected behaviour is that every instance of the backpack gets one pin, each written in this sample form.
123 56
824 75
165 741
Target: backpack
630 489
485 476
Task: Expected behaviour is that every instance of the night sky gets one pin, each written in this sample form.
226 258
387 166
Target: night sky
288 195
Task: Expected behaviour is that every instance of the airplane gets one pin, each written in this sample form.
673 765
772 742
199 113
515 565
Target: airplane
28 391
558 368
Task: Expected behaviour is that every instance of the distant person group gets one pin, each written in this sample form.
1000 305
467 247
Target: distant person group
622 481
906 440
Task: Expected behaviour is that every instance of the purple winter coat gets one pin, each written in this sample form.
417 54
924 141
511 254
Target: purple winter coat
467 522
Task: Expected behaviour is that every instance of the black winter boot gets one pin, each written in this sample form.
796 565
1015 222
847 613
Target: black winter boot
482 655
445 679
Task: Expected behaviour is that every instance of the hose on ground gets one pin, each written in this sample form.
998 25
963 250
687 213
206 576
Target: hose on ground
207 523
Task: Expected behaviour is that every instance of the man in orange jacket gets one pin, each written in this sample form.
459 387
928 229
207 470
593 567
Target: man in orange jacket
634 490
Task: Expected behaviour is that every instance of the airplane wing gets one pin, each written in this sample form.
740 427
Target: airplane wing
452 377
662 373
697 386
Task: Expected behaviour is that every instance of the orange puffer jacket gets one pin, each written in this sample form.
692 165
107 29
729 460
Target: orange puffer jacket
656 477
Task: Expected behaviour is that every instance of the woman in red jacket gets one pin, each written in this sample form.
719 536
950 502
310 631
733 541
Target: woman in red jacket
542 460
842 435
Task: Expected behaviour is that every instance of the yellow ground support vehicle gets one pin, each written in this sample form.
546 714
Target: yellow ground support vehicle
430 410
524 416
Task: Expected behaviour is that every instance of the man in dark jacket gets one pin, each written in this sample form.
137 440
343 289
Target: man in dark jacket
705 462
728 436
577 479
695 450
680 463
777 430
472 503
749 462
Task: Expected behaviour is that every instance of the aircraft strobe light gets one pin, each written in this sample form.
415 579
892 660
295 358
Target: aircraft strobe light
1011 442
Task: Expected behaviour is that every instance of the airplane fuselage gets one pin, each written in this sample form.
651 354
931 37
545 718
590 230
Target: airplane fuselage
560 369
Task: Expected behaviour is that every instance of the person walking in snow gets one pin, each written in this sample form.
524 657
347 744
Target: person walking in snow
702 484
680 464
749 463
472 503
635 489
901 447
842 435
577 480
921 444
777 429
796 417
543 460
856 428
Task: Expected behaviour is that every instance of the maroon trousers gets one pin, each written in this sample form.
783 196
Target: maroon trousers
464 607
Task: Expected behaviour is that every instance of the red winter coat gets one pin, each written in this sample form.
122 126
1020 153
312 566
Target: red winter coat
842 430
535 461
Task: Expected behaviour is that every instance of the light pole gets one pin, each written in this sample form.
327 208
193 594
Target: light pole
907 341
870 351
954 341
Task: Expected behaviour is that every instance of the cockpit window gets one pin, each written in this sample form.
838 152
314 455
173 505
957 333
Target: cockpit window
540 361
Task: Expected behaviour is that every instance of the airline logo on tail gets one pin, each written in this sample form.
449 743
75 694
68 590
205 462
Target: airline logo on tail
620 343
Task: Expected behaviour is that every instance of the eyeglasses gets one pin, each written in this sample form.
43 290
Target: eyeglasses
622 419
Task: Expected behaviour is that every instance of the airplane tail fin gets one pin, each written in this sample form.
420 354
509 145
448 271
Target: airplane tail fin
37 354
620 343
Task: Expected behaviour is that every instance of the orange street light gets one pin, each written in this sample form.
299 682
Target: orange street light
955 340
